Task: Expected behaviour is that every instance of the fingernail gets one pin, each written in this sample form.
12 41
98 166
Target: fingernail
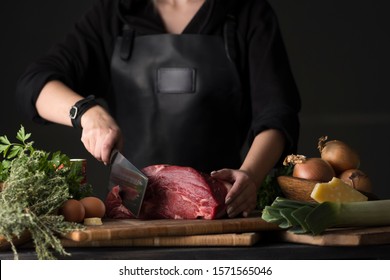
213 172
229 210
228 200
245 214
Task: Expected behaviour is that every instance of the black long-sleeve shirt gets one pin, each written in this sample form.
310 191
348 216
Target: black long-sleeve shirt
82 59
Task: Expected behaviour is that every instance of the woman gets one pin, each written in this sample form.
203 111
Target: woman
186 82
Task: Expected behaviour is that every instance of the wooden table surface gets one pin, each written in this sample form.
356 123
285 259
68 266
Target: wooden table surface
266 249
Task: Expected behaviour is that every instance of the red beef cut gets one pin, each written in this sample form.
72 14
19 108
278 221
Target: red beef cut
174 192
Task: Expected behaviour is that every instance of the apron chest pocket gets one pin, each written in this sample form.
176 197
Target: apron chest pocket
176 80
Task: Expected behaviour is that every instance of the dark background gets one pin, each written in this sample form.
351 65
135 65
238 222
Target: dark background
339 53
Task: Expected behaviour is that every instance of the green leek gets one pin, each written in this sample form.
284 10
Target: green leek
315 218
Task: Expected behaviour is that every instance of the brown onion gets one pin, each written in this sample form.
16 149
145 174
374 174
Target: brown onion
340 156
357 179
315 169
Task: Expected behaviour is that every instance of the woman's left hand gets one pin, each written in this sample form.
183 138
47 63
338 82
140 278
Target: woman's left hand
242 196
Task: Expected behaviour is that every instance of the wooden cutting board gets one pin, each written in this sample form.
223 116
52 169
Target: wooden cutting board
228 239
132 228
24 238
342 237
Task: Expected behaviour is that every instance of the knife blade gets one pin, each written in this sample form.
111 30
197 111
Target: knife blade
131 181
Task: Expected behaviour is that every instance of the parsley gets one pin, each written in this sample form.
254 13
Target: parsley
10 151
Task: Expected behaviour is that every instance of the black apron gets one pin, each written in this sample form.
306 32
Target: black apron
178 100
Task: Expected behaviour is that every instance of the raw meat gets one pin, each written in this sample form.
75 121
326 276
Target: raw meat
174 192
114 207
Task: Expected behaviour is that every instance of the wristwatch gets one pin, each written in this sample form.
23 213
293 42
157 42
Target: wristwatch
78 109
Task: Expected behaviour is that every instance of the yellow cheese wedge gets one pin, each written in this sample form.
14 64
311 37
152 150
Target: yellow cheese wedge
336 191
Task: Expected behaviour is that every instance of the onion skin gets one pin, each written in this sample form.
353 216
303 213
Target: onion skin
315 169
357 179
340 156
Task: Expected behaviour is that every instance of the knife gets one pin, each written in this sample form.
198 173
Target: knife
131 181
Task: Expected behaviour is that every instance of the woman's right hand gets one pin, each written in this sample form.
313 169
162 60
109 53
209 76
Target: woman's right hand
100 133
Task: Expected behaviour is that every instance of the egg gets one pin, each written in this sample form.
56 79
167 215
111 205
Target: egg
73 211
94 207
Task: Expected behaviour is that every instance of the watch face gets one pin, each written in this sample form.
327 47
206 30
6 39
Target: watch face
73 112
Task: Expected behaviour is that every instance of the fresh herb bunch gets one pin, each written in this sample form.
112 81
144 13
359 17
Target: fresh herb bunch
36 184
10 151
270 189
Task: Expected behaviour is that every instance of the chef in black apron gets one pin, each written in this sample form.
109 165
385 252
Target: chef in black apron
178 99
180 104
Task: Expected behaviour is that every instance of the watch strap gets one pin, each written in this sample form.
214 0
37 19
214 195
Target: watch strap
79 108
